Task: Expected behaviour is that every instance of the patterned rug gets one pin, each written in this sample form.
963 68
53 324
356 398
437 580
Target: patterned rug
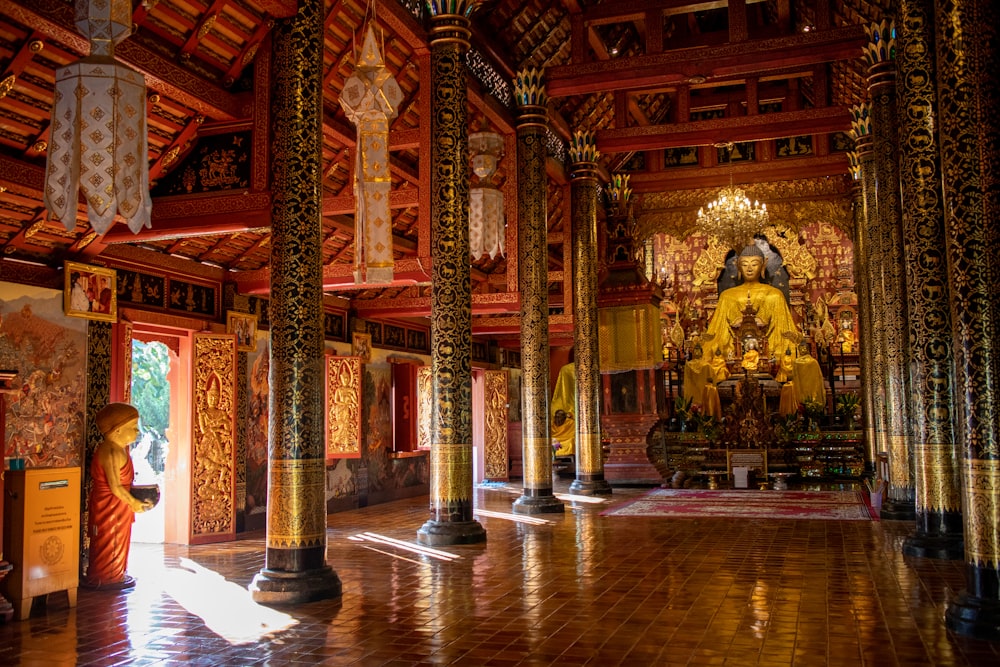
747 504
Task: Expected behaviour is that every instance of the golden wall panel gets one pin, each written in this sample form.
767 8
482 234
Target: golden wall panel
495 431
343 407
213 456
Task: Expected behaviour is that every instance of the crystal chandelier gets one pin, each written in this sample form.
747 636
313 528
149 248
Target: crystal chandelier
732 218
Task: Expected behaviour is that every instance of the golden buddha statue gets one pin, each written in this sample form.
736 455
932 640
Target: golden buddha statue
769 302
751 357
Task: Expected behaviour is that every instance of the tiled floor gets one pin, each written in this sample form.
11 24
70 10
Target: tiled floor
579 589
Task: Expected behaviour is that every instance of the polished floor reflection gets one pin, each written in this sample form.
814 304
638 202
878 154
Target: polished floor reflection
573 589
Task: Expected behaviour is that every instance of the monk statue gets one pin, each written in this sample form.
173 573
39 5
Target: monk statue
112 505
697 374
769 302
563 410
785 367
808 377
720 371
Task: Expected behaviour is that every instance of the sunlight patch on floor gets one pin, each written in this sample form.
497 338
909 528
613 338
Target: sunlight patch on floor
520 518
406 546
226 608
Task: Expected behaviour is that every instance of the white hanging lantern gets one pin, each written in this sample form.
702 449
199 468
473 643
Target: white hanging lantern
98 130
486 214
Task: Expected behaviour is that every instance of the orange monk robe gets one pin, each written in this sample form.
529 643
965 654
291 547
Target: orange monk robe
109 527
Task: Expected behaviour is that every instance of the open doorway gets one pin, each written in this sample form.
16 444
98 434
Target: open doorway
150 394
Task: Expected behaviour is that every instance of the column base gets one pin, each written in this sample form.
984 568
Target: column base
538 505
974 617
896 510
278 587
591 487
444 533
942 547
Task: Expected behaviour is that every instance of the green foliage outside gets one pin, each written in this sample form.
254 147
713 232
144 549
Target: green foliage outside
150 389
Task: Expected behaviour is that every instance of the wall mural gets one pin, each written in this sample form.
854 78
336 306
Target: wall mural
48 351
258 365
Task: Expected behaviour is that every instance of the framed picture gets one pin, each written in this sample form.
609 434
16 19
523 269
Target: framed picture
244 326
361 346
90 292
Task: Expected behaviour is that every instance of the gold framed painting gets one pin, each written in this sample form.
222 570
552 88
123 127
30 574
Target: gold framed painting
90 292
361 346
244 327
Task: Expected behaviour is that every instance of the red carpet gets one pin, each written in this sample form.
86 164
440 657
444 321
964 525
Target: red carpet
746 504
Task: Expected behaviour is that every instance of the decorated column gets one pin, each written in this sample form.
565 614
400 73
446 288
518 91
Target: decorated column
533 269
295 568
868 255
451 519
861 248
932 407
589 460
879 55
968 69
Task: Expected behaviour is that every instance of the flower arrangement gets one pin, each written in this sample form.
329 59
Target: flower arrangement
813 410
848 404
874 485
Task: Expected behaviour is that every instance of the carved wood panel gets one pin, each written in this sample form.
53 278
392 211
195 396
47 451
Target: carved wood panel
343 407
495 432
213 439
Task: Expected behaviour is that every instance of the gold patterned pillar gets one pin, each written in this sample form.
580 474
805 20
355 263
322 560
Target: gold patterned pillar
861 248
895 347
968 87
451 519
868 254
98 395
938 531
295 568
584 184
533 268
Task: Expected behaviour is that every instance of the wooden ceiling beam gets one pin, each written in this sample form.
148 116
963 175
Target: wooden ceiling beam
748 58
55 20
609 13
707 132
692 178
345 205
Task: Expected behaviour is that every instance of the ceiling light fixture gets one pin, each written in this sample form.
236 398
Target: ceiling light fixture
732 218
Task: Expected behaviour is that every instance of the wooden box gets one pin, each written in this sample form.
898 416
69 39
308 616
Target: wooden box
42 535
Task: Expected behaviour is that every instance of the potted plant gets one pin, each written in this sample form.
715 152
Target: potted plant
848 405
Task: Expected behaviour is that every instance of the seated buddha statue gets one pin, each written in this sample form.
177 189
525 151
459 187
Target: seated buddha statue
751 357
769 302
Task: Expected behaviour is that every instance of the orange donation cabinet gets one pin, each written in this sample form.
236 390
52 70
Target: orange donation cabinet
41 535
